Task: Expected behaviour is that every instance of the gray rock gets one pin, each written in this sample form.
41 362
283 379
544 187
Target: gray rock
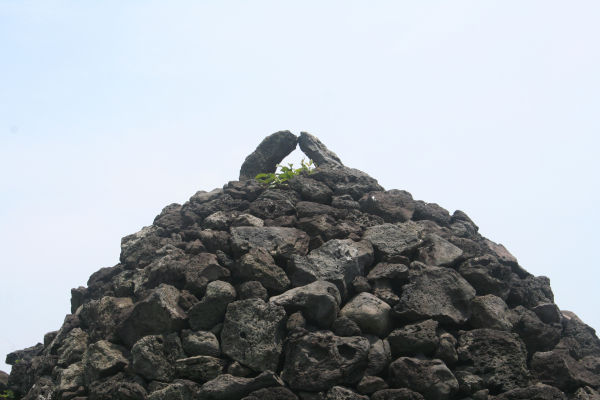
490 312
501 253
557 368
229 387
312 396
310 189
71 322
158 314
342 393
200 368
237 369
393 205
468 384
272 393
487 276
43 389
200 343
295 321
317 361
431 212
253 289
278 242
380 355
115 387
258 265
370 313
73 347
435 293
139 249
583 335
383 290
413 339
102 359
439 252
446 350
396 394
586 393
345 202
270 152
319 302
3 380
317 151
371 384
170 219
361 284
178 390
253 333
384 270
202 269
275 203
219 221
343 180
247 220
308 209
393 239
154 357
209 311
538 392
71 378
500 358
337 261
431 378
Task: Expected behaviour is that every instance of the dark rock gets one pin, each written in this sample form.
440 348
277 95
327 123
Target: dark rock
219 221
102 359
317 361
431 378
361 284
253 333
258 265
585 336
337 261
393 205
435 293
345 202
228 387
413 339
200 271
500 358
385 270
187 300
154 357
396 394
170 219
393 239
557 368
371 384
3 380
48 338
311 190
380 355
103 316
270 152
446 350
431 212
308 209
70 379
274 203
43 389
548 313
370 313
468 384
529 292
216 241
273 393
343 180
319 302
537 392
198 208
501 254
200 368
295 321
342 393
253 289
73 347
178 390
71 322
487 276
114 388
28 353
317 151
586 393
344 326
200 343
279 242
536 335
237 369
247 220
158 314
490 312
312 396
209 311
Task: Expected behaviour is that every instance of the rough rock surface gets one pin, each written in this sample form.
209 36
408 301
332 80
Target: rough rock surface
327 287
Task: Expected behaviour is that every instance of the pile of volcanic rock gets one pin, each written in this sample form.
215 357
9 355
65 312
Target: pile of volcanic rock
327 288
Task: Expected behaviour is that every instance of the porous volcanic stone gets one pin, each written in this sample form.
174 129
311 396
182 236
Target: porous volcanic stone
229 387
317 151
487 276
413 339
490 312
258 265
209 311
431 378
270 152
370 313
278 242
393 205
103 359
253 333
393 239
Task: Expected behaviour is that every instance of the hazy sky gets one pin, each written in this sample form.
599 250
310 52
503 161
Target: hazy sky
111 110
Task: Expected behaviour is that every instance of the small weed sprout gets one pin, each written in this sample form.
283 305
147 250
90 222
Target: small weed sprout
286 173
8 394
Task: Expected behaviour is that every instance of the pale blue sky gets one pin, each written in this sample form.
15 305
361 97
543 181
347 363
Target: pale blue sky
111 110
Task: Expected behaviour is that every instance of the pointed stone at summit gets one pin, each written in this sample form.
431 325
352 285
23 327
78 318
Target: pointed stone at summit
270 152
317 151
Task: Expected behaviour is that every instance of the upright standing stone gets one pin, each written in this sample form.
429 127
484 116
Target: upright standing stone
317 151
270 152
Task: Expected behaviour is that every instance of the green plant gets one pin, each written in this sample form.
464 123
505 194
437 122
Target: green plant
286 173
8 394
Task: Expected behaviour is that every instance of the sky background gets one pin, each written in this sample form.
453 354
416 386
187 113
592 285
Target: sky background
111 110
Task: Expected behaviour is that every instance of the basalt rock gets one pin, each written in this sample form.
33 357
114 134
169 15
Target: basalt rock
327 287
